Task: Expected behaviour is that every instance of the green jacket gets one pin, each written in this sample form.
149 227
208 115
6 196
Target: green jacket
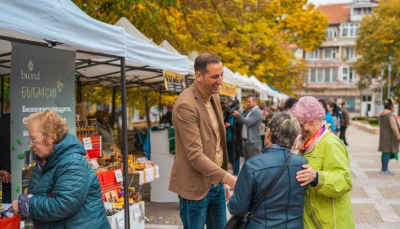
328 204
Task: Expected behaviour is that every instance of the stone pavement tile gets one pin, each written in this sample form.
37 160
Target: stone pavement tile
373 192
162 226
378 176
396 208
364 201
358 192
163 213
378 225
365 213
387 213
352 174
370 164
390 192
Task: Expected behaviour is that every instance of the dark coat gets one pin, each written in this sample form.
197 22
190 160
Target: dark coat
283 207
387 139
66 192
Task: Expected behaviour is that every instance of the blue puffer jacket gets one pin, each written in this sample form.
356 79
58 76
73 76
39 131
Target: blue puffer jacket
283 207
66 192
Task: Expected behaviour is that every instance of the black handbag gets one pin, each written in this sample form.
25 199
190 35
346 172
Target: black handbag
240 222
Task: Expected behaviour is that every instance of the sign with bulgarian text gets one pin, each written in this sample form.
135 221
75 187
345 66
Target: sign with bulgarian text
228 90
41 79
174 82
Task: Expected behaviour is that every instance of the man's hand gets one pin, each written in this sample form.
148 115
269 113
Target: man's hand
227 124
227 192
15 207
231 181
306 176
5 176
235 113
398 140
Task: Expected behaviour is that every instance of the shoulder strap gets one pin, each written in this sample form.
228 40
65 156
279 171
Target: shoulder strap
270 187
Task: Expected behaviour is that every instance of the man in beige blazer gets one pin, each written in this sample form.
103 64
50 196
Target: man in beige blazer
200 167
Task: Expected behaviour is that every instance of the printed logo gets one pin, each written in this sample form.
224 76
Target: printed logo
30 65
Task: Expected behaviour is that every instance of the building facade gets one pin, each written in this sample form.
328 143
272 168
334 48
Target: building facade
331 76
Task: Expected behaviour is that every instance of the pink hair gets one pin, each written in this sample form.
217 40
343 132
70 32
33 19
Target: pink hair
309 109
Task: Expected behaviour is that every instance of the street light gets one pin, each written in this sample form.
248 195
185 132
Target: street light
390 69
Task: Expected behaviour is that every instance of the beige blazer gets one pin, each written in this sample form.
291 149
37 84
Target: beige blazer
194 168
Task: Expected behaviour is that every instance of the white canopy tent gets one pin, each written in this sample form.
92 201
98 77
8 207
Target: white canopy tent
123 22
167 46
101 49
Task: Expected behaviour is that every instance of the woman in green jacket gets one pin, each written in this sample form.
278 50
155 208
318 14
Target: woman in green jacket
327 201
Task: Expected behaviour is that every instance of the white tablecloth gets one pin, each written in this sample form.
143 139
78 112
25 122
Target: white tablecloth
135 222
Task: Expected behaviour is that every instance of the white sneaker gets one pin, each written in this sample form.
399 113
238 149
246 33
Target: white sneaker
387 172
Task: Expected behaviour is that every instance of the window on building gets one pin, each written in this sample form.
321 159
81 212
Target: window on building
331 32
350 53
348 30
329 53
362 11
348 74
312 55
323 75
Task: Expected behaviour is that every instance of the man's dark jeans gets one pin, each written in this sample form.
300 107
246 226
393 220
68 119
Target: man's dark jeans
210 211
342 134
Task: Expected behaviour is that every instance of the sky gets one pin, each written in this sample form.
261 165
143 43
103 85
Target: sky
324 2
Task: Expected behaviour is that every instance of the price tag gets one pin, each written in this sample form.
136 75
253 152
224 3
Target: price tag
87 143
120 219
136 211
118 175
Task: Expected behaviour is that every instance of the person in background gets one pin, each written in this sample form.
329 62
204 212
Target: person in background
105 130
344 123
81 112
283 207
327 202
229 122
328 116
389 136
63 191
167 117
289 104
199 173
5 152
332 109
251 120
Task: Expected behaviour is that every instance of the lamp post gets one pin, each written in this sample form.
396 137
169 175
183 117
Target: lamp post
382 82
389 70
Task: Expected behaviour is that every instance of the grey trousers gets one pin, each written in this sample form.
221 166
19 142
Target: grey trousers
250 149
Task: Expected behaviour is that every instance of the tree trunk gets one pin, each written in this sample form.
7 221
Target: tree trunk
147 109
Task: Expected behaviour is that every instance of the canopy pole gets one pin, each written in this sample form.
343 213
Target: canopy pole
124 145
159 106
114 95
79 91
2 95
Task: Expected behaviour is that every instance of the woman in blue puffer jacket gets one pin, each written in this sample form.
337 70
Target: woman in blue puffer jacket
283 207
63 191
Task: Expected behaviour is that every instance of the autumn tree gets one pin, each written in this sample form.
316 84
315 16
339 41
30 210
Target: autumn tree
378 44
251 37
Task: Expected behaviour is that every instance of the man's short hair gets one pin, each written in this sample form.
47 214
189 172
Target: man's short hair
253 96
201 62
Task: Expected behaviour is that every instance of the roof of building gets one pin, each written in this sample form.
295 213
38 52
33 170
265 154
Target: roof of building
337 13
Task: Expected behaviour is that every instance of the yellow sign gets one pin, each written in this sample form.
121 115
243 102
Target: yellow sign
174 82
228 90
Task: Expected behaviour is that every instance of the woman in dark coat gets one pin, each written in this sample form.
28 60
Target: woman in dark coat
389 136
63 191
283 207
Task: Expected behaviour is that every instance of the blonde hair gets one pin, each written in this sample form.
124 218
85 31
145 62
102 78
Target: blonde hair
80 107
53 126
